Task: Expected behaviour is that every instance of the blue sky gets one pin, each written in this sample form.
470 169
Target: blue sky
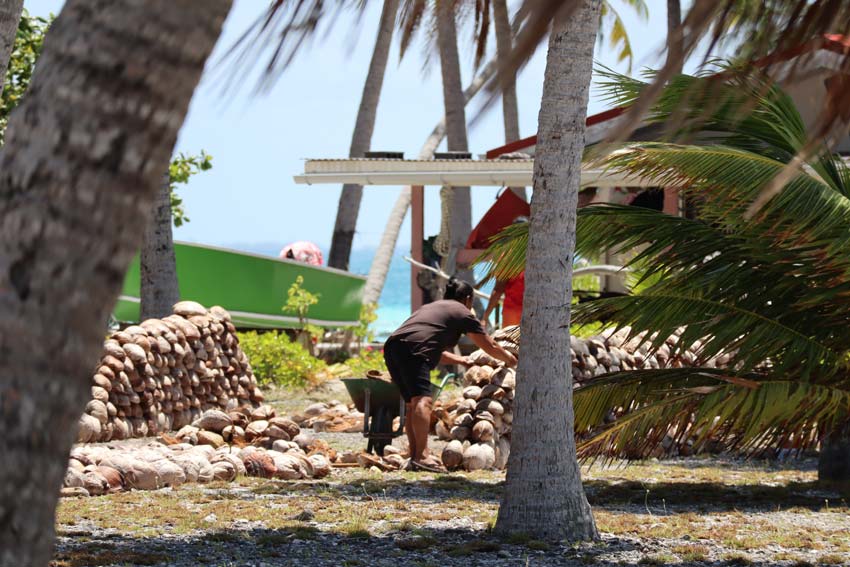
259 141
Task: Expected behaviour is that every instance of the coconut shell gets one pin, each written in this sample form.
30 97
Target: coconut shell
255 429
479 456
233 434
463 420
210 438
452 455
89 429
262 413
492 391
189 309
135 353
481 358
461 433
97 409
170 474
213 420
483 431
472 392
291 428
320 464
491 406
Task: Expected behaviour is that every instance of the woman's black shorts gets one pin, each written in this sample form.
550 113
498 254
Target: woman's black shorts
410 372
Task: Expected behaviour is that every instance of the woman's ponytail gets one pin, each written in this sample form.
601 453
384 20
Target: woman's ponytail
458 290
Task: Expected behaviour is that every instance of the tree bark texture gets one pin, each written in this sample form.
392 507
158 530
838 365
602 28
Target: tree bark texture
159 287
510 105
389 239
349 200
543 493
83 161
10 17
834 459
675 48
460 203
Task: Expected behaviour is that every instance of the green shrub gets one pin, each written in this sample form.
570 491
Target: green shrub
367 359
279 361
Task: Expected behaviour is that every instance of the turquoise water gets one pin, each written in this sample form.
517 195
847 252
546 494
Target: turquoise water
394 305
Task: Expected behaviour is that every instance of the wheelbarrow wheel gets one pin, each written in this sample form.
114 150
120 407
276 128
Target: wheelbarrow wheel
380 429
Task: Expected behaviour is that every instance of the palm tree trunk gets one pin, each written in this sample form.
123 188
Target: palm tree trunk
389 239
160 289
10 17
83 160
543 494
460 203
675 48
510 105
349 199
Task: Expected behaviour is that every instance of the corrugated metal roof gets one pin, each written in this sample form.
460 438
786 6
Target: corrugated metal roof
451 172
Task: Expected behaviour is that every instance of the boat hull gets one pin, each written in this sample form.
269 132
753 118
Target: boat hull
252 287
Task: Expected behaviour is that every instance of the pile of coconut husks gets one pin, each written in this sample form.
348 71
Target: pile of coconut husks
478 425
333 416
164 373
217 446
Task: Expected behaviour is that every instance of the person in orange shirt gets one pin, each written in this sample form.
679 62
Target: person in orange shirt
512 290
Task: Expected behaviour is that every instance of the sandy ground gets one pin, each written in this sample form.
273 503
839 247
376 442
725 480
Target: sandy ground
699 511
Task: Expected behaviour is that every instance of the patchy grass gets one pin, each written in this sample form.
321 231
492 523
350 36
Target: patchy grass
682 511
737 560
657 559
691 553
831 559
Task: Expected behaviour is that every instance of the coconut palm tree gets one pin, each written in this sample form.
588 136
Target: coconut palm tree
674 35
159 288
349 200
543 494
457 201
771 292
10 15
389 238
83 159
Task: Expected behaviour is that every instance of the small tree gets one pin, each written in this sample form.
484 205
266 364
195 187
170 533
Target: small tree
298 303
180 170
28 45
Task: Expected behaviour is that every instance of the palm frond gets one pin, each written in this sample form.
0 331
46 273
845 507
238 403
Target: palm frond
809 216
683 405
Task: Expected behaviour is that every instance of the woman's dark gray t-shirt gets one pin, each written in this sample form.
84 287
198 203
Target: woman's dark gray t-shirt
436 327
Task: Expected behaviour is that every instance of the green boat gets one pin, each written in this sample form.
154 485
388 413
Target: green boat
252 287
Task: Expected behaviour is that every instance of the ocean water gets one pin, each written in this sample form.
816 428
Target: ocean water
394 304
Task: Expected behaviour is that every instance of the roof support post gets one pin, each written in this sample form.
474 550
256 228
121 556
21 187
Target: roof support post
417 236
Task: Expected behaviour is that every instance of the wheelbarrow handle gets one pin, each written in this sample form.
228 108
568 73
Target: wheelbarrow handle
367 394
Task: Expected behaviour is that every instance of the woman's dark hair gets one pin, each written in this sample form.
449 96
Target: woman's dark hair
458 290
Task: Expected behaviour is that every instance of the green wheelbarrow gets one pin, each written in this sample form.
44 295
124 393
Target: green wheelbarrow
381 402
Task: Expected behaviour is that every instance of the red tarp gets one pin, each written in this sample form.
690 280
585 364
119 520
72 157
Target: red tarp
503 212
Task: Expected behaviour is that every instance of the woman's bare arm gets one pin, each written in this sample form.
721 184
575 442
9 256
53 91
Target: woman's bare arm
447 357
495 296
